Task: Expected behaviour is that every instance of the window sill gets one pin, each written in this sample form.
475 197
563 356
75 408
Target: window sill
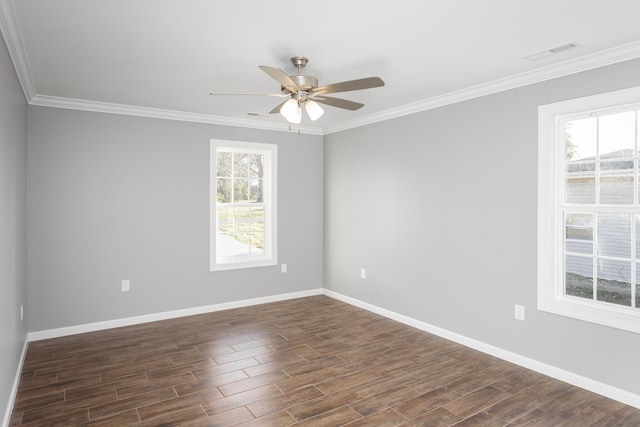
600 313
239 265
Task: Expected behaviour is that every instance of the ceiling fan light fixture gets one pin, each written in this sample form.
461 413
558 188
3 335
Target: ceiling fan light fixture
290 110
297 117
314 110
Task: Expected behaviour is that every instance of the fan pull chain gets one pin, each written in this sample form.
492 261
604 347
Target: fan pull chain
299 132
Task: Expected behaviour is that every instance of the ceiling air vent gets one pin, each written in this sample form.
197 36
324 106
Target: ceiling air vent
552 51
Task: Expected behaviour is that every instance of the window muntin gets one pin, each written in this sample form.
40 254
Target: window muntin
243 209
589 210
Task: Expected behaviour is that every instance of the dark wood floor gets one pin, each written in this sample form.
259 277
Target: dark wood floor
307 362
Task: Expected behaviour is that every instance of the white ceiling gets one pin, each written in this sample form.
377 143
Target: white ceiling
163 57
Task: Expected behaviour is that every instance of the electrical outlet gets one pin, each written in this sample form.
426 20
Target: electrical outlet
284 268
126 286
519 312
363 273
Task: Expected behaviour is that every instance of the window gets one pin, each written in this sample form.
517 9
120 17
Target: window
589 209
243 205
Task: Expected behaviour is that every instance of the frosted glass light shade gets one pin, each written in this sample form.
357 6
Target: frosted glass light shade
290 110
297 116
314 110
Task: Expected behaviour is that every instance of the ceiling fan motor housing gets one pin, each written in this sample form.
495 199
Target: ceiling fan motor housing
304 82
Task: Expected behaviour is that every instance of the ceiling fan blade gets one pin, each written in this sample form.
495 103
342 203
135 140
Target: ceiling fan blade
340 103
359 84
278 95
277 108
281 77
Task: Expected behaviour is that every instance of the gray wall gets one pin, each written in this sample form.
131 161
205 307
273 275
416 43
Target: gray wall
115 197
440 207
13 279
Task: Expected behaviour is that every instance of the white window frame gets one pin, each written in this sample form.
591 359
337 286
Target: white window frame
551 148
270 186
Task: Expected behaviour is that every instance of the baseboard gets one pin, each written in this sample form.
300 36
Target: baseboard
602 389
14 388
109 324
606 390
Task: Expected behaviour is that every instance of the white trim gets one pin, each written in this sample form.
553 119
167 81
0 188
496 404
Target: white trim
270 182
606 390
128 321
156 113
584 63
14 388
550 225
10 31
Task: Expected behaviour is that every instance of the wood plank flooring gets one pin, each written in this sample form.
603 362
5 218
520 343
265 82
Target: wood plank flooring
306 362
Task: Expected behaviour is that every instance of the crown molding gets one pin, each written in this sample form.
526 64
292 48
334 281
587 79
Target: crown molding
11 33
130 110
584 63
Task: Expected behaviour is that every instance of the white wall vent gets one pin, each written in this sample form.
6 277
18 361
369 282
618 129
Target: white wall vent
552 51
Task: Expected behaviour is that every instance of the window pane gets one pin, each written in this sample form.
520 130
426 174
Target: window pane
616 182
579 247
580 139
240 190
255 190
240 165
580 188
637 286
225 220
242 218
579 233
637 225
223 164
578 276
256 169
224 190
257 243
638 181
243 238
637 237
614 281
580 150
231 246
240 231
616 135
256 215
614 235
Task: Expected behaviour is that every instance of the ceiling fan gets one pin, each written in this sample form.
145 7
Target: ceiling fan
303 91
